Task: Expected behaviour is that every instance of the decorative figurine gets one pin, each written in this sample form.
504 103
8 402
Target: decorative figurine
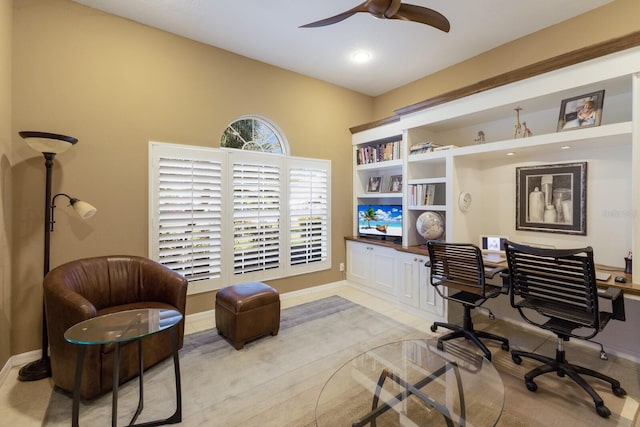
480 138
517 131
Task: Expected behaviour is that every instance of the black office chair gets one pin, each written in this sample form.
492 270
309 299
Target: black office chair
560 285
459 267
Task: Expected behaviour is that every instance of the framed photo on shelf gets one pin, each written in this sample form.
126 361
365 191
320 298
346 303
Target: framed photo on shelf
375 184
581 111
552 198
395 185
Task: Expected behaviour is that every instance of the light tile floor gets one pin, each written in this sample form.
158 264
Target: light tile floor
24 403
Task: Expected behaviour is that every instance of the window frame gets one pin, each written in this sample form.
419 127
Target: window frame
228 156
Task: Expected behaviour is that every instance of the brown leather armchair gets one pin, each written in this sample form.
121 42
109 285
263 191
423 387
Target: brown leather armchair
90 287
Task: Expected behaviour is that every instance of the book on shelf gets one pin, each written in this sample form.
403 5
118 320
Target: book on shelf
428 146
378 152
422 194
429 195
444 147
421 147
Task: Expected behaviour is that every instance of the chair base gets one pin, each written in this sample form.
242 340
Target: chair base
472 335
562 368
468 332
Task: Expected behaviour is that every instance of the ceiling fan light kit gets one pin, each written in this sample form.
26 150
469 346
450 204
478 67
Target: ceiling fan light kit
390 9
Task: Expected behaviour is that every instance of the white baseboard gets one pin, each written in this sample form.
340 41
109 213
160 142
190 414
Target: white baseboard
18 360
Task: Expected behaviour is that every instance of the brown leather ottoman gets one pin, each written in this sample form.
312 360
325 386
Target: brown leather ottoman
247 311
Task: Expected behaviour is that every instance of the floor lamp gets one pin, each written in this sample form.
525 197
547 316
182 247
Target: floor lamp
49 144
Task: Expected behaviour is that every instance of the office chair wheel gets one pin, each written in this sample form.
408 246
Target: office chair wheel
618 391
603 411
517 359
531 386
505 346
434 328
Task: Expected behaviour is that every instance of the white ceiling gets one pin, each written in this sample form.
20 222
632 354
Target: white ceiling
267 30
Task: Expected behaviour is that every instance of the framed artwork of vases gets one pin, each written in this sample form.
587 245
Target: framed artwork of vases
552 198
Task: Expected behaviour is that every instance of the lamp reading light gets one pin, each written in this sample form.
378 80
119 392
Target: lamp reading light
49 144
83 209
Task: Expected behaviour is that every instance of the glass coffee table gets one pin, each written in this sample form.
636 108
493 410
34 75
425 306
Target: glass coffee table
412 383
116 328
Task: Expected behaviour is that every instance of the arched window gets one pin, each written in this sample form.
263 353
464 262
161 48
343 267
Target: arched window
254 134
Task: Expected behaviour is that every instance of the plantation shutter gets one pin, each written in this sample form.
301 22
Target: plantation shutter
187 214
309 223
257 203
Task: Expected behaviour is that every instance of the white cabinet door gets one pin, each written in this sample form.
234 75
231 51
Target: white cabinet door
358 262
408 266
430 300
414 287
383 268
371 266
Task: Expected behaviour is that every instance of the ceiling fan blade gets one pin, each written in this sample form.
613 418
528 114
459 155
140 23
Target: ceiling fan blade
328 21
409 12
339 17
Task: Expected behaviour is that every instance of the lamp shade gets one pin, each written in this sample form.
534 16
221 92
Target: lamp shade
45 142
83 209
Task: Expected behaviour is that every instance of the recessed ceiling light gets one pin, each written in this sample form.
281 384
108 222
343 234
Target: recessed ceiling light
511 153
361 56
565 147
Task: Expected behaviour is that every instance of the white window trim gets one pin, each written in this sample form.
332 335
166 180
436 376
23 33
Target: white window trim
228 156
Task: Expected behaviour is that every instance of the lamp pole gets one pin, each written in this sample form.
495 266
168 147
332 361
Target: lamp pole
48 144
41 368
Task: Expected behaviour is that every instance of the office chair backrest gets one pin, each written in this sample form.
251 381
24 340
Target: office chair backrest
457 265
558 283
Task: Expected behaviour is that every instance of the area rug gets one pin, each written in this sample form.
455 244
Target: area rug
275 381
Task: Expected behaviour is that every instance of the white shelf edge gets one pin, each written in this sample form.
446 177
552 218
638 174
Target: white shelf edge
378 195
380 165
427 207
564 137
417 181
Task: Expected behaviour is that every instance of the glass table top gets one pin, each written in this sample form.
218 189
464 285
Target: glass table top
412 383
122 326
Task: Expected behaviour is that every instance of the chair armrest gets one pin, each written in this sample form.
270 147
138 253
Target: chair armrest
489 273
427 263
506 281
617 302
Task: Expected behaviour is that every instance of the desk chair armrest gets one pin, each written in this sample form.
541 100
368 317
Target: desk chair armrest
489 272
504 274
617 301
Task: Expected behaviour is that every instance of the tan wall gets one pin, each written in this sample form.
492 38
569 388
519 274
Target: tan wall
115 85
615 19
5 180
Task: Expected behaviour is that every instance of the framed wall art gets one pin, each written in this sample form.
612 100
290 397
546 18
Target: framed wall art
581 111
552 198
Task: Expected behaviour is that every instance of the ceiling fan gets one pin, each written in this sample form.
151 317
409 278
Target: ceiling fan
390 9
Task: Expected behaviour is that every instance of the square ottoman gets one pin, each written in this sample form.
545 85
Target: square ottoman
247 311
